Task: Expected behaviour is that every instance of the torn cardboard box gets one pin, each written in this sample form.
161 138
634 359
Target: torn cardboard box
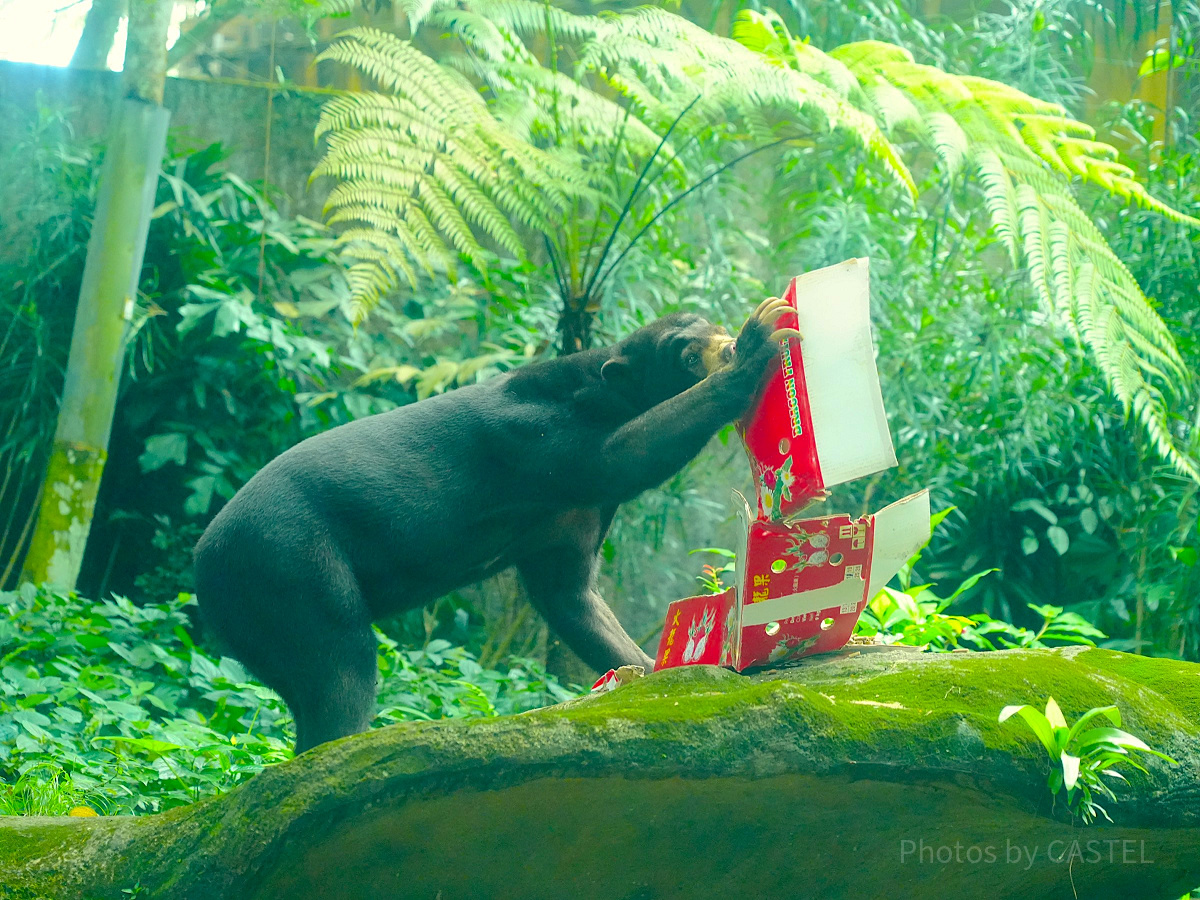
800 590
819 420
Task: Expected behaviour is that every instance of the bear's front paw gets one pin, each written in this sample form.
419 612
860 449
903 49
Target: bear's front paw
758 341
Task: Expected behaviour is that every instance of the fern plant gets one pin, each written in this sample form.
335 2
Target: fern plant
424 167
615 142
1029 156
572 155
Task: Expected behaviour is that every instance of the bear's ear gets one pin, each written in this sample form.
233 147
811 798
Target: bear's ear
616 370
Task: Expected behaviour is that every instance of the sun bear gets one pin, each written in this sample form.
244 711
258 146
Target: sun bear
392 511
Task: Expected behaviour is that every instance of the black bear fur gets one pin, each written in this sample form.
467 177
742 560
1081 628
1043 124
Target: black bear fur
392 511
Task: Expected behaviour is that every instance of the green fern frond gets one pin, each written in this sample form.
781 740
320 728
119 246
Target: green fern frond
416 11
662 63
1001 198
433 169
1028 154
767 34
425 172
682 59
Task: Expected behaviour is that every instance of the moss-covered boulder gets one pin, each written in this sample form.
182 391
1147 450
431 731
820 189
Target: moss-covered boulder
880 773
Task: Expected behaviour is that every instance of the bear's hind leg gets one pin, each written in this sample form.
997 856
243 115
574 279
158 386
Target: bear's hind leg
332 693
297 620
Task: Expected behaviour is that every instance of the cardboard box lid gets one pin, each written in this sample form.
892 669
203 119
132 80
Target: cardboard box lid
901 529
819 420
838 354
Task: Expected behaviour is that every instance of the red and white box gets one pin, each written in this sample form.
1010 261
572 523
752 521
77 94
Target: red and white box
819 420
800 589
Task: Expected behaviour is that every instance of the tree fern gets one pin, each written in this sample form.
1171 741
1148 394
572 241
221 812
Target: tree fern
430 169
424 170
1028 155
424 182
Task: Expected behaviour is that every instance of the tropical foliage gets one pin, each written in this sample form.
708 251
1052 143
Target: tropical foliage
760 88
113 705
1084 756
1027 152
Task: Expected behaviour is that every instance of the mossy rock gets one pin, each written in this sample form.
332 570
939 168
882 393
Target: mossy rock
880 773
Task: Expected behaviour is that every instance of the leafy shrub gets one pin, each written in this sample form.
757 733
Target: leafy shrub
912 614
916 616
1082 754
114 705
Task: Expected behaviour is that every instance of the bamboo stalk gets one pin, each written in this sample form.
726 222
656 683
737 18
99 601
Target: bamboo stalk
137 139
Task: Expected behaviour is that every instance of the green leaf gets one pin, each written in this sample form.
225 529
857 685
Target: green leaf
966 586
1184 555
937 518
1058 539
151 746
1054 715
1036 506
1070 767
162 449
1117 738
69 714
1037 723
1109 712
199 501
1159 60
33 721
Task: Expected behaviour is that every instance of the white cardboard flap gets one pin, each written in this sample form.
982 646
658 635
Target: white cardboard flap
900 531
841 595
741 573
849 425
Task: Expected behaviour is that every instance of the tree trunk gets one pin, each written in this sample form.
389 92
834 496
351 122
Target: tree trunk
877 773
145 72
99 29
128 180
575 325
197 37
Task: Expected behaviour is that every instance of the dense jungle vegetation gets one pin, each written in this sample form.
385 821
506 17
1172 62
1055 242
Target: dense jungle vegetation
573 175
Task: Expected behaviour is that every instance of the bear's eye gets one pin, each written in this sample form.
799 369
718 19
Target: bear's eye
692 360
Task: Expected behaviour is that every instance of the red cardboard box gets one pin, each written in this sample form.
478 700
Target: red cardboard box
819 420
699 631
800 588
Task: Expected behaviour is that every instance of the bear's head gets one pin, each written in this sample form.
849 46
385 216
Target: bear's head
667 357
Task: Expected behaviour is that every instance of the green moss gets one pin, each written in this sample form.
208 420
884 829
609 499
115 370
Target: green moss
25 840
65 514
671 698
914 705
936 697
923 726
1177 683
